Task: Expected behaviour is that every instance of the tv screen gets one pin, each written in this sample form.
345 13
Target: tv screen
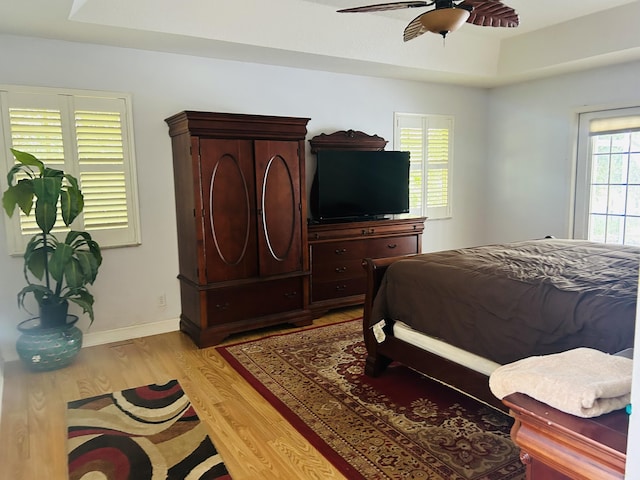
354 184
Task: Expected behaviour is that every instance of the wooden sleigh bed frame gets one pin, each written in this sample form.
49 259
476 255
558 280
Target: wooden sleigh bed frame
380 355
499 303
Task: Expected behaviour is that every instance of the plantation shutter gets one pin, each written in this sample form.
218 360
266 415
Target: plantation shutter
428 139
101 164
89 137
39 132
411 140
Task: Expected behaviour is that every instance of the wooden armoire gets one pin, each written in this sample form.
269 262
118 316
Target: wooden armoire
241 220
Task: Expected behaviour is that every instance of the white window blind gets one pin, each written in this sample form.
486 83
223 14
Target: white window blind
429 140
607 204
86 134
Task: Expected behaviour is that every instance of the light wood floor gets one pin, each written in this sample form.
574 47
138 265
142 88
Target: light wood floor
253 439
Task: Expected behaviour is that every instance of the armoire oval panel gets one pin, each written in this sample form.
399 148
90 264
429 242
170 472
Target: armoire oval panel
228 209
228 192
279 208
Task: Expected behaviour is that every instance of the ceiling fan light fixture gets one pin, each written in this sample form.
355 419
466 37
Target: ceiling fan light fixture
444 20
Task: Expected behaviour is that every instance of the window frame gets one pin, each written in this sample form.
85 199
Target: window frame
425 122
68 102
583 163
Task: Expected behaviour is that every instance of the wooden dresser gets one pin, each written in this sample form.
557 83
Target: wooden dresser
337 250
557 446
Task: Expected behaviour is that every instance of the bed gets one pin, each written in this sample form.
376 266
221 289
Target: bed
456 315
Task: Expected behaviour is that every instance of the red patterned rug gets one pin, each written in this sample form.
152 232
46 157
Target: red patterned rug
148 432
400 425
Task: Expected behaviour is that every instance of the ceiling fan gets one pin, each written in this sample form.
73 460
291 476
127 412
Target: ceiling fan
448 15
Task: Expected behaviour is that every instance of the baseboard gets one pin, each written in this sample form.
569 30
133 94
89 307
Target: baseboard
128 333
91 339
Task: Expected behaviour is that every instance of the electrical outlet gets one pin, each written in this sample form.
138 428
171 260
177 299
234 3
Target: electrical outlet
162 300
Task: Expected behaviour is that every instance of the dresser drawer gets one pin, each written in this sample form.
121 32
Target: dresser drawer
338 251
344 288
391 246
349 230
338 270
230 304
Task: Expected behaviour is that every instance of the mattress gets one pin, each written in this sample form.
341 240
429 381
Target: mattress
510 301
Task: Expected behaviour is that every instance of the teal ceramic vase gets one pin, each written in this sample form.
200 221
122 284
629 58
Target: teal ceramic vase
48 348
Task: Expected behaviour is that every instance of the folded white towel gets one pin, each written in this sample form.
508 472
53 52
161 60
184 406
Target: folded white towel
583 381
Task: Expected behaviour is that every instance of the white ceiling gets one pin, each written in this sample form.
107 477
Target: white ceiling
554 36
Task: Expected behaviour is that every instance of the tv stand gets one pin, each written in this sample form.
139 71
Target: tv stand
338 249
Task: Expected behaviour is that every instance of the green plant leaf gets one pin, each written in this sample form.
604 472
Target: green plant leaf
35 257
72 203
47 192
24 194
28 159
87 252
10 200
83 298
17 168
94 248
89 265
36 263
73 274
60 258
39 291
20 194
47 188
46 214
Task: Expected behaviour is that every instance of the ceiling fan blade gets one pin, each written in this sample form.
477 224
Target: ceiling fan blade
414 29
490 13
381 7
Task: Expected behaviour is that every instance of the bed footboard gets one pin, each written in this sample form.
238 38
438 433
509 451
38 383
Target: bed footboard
380 355
375 268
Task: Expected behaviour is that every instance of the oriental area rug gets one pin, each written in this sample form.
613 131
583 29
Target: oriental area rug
399 425
149 432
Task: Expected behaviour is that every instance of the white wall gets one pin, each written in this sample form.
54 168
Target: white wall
132 279
530 166
531 148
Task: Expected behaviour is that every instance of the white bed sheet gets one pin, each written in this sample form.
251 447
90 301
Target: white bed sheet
475 362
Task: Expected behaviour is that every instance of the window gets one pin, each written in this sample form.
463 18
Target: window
607 204
87 134
429 140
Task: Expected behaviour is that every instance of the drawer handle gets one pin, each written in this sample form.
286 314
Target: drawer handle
222 306
341 269
291 294
341 287
340 251
370 231
392 245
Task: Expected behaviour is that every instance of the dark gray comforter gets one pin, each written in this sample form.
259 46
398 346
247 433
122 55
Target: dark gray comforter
511 301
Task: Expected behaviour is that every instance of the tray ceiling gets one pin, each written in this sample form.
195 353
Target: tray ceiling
554 36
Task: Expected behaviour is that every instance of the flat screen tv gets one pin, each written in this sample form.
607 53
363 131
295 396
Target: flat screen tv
355 184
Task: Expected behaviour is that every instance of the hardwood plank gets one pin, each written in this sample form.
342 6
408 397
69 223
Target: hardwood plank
255 441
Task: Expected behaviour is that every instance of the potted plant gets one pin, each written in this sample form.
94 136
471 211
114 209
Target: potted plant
57 272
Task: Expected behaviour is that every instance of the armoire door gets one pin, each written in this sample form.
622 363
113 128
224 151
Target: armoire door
229 221
279 207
